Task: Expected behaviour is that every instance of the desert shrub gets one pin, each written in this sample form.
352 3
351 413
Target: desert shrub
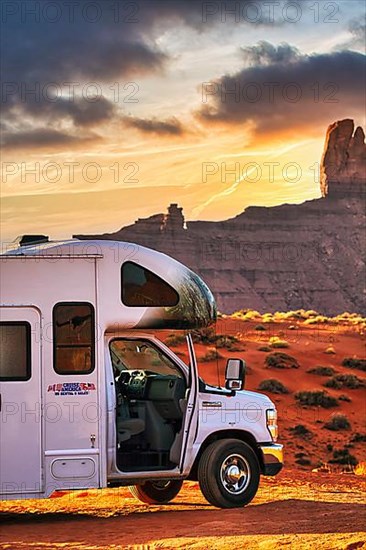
338 422
302 459
265 348
299 455
316 398
333 383
344 380
354 363
228 342
301 431
273 386
345 398
342 456
206 335
246 314
276 342
358 438
211 355
316 320
308 313
329 447
280 360
209 336
260 327
321 371
360 469
175 340
267 318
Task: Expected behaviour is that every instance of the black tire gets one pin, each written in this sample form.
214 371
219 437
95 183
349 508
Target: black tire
157 492
217 481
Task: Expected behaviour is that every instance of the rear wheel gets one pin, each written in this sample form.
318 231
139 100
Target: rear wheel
228 473
157 492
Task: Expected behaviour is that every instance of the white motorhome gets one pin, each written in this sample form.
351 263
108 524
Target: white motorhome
90 398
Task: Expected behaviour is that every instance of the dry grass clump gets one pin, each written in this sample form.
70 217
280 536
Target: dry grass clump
316 398
338 422
246 315
354 363
358 438
343 456
318 319
276 342
344 381
344 398
272 385
360 469
208 336
175 339
322 371
301 431
211 355
281 360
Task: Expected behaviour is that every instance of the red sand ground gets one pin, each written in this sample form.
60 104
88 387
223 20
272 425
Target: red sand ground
298 509
307 344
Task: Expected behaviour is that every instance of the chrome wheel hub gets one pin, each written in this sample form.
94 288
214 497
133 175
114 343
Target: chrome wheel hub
235 474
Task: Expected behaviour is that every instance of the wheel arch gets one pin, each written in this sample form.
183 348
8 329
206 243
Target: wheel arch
241 435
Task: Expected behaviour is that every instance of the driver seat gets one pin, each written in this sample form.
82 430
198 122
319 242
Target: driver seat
127 426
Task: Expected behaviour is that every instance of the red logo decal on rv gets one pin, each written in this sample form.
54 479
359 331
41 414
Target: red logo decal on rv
72 388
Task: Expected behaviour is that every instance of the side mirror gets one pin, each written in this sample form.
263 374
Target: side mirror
234 374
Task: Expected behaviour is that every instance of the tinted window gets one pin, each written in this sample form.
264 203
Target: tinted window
73 338
141 287
15 351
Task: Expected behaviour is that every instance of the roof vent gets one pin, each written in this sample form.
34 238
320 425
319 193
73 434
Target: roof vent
26 240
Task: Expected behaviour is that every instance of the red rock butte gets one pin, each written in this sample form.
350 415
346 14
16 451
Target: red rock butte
343 166
287 257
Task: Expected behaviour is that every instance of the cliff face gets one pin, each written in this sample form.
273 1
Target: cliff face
309 256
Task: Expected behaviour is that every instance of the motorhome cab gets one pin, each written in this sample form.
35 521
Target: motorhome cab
90 398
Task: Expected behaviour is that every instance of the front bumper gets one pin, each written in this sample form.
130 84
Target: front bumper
272 454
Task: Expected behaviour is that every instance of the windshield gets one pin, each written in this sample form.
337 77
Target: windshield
141 355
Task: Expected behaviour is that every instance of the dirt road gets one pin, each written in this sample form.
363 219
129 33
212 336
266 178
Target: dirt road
296 510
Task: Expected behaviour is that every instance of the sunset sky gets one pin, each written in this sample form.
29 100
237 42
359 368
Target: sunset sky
113 110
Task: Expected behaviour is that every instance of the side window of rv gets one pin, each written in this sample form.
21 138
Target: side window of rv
143 288
15 357
73 338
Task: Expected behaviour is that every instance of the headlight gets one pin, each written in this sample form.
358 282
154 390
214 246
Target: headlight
271 415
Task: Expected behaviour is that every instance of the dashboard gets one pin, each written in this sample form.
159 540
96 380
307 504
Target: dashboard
148 385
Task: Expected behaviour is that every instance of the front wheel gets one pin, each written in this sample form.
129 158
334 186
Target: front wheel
157 492
228 473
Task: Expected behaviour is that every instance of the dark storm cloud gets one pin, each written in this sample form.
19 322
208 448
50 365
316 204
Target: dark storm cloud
120 42
357 28
265 53
41 137
169 127
280 88
81 111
